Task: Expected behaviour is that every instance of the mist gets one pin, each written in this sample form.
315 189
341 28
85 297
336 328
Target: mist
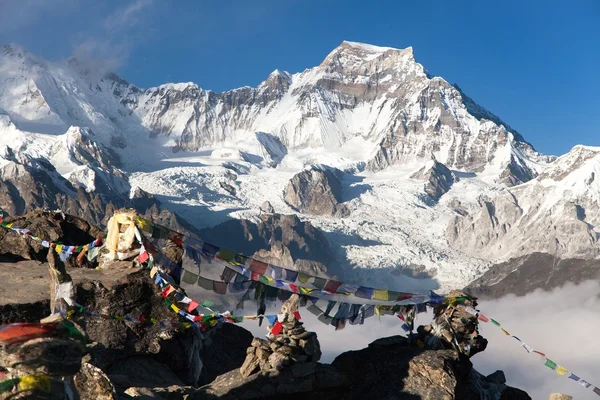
562 323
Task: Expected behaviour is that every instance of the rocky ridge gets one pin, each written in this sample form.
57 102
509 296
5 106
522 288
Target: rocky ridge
129 360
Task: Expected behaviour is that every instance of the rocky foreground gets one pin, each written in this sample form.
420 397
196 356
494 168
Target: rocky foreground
127 360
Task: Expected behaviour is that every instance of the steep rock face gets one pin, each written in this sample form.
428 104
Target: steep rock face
377 94
438 179
522 275
318 191
283 240
557 213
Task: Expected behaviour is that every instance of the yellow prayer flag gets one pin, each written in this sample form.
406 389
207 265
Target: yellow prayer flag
504 330
153 320
35 382
561 370
380 294
9 225
175 308
144 224
303 277
120 318
153 272
58 248
186 325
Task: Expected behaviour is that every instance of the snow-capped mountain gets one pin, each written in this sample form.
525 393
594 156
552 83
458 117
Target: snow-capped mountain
413 160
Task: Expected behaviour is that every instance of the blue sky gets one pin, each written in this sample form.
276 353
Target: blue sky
533 63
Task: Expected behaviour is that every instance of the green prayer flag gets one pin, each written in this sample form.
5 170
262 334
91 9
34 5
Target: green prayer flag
493 321
207 303
550 364
8 385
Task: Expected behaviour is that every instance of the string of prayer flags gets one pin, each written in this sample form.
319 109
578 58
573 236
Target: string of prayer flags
560 370
63 250
272 275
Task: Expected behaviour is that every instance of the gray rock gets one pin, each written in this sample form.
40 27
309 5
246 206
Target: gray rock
266 207
303 369
278 361
92 384
250 365
318 191
438 177
497 377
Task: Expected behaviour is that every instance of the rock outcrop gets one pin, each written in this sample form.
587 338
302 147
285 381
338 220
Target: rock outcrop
317 191
131 360
523 275
397 369
438 178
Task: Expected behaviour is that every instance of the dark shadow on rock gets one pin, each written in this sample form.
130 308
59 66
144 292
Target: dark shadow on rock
224 352
29 312
352 187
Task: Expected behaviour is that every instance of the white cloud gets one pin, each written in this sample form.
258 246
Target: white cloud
563 323
110 49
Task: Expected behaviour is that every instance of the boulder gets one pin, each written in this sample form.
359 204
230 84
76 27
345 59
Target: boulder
317 191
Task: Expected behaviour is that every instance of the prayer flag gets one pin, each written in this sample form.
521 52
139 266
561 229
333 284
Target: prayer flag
189 277
258 266
364 292
561 371
516 338
483 318
495 322
272 319
527 347
290 275
207 304
550 364
332 286
584 383
297 315
347 288
380 294
540 353
277 328
574 377
505 332
319 282
143 257
303 277
597 391
192 306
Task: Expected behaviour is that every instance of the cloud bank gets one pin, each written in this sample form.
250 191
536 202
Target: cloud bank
563 323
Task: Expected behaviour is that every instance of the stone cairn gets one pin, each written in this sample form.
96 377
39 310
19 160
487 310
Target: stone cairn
43 358
293 347
455 325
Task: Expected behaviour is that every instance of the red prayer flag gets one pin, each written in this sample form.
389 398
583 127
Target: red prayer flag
540 353
258 266
332 286
192 306
143 257
483 318
297 315
294 288
277 328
